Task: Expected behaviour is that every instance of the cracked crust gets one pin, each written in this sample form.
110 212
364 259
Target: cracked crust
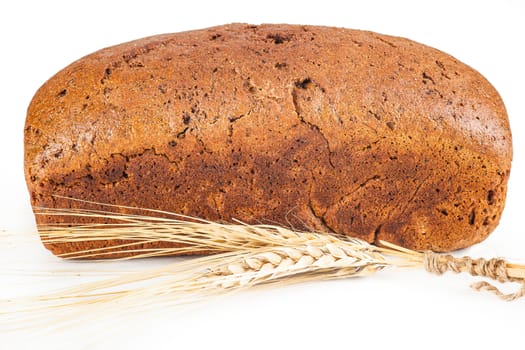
316 128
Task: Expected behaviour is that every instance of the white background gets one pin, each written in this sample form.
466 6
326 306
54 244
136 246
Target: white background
392 309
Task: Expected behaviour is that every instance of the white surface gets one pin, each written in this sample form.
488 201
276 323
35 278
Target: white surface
389 310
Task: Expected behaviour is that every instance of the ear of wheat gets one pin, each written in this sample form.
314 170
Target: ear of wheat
245 256
315 258
190 234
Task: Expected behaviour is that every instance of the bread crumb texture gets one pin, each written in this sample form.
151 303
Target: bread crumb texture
310 127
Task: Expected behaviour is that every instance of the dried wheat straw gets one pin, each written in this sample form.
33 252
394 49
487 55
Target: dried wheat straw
202 278
196 234
246 256
192 233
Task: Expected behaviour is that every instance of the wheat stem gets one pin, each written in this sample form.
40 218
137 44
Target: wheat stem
246 256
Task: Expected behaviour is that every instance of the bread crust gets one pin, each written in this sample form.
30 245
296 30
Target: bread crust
317 128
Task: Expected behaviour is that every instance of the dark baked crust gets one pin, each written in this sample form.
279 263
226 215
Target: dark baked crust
319 128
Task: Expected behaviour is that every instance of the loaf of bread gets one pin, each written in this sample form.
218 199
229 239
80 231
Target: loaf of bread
314 128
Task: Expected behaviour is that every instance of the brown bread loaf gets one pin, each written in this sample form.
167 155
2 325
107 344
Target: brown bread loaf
316 128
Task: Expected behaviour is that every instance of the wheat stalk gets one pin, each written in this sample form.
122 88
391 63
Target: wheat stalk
206 277
190 234
246 256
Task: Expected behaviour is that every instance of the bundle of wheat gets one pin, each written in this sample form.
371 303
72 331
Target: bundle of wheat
244 256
